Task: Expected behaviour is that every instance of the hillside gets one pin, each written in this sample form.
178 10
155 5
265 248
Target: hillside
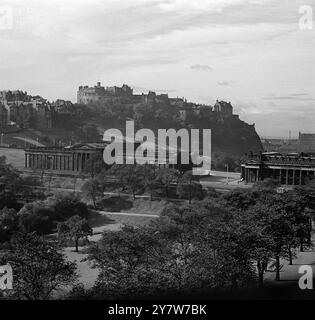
231 137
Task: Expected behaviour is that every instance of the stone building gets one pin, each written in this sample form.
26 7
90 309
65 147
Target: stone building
70 159
25 110
98 93
223 107
289 169
124 91
73 159
306 142
14 96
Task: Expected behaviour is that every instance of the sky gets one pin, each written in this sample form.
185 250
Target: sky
249 52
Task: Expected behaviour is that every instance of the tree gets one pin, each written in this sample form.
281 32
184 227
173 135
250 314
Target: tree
256 238
189 188
8 175
130 177
148 173
8 199
94 165
266 184
240 199
36 217
117 183
214 244
210 239
39 267
74 229
189 248
279 214
166 177
123 262
8 223
91 189
88 133
66 206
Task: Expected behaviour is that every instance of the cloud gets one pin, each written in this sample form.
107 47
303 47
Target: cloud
200 6
201 67
226 83
167 44
292 96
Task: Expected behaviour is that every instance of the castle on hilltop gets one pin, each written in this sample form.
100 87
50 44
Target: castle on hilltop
18 109
98 94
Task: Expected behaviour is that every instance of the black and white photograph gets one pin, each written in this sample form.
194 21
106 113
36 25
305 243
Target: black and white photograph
157 150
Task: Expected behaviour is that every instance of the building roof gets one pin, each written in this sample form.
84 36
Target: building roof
86 146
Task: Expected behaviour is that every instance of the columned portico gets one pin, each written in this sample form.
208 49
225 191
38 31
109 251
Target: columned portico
71 159
289 170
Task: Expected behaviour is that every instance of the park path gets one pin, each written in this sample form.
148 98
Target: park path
131 214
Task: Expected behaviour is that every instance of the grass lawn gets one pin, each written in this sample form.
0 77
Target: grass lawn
14 157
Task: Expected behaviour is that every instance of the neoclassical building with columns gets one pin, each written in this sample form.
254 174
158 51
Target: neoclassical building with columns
71 159
289 169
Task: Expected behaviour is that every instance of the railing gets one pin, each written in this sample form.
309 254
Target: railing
280 159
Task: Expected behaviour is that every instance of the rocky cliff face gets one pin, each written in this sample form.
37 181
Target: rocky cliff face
232 136
235 137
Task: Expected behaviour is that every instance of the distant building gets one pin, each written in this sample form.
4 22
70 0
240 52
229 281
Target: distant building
306 142
124 91
289 169
25 110
14 96
99 93
70 159
178 102
73 159
88 94
223 107
62 106
280 145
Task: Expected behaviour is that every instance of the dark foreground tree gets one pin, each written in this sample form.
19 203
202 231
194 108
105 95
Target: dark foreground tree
189 188
8 223
167 177
39 269
129 178
186 250
66 206
74 229
36 217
